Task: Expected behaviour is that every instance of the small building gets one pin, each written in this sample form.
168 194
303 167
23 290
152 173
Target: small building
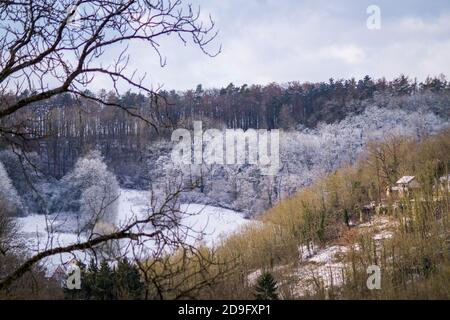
60 273
444 182
404 186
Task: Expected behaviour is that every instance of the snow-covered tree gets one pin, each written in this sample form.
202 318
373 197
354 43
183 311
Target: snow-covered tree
89 189
306 154
25 173
10 202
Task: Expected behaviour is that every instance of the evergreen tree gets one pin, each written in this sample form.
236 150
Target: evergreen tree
127 283
106 283
89 278
266 287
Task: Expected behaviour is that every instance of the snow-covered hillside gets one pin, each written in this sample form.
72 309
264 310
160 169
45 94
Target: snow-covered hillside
305 155
207 224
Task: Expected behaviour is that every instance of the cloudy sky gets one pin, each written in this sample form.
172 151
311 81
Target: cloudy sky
307 40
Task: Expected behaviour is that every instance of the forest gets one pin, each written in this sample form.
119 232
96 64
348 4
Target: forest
333 122
94 207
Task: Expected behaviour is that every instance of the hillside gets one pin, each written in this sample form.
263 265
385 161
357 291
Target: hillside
320 242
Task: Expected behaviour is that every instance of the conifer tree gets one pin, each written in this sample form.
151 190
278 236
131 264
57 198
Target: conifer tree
103 283
106 283
266 287
127 283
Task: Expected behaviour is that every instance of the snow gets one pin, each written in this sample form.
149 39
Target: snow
132 205
328 254
383 235
326 266
207 224
211 223
36 230
319 266
306 154
253 277
215 223
405 180
306 252
378 222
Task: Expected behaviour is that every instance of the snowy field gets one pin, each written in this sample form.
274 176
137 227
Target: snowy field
213 223
207 224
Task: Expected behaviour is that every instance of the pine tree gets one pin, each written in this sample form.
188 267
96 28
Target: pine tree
266 287
128 283
89 279
104 283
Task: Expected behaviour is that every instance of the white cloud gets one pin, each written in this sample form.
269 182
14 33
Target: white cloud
265 41
349 54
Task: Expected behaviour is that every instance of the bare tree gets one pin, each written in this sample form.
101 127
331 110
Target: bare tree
52 47
8 228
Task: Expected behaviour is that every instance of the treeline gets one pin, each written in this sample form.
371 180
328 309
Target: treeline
286 106
100 281
68 127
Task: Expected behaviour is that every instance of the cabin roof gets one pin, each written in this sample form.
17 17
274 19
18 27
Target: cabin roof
405 179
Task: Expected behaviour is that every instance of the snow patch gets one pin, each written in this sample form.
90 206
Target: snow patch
328 255
383 235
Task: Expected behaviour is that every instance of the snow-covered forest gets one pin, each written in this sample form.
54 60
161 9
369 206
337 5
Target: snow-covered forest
108 191
110 156
99 150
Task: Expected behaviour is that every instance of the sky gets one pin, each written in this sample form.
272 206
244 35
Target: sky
267 41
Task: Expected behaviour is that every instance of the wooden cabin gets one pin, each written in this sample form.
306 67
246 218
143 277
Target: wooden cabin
403 187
